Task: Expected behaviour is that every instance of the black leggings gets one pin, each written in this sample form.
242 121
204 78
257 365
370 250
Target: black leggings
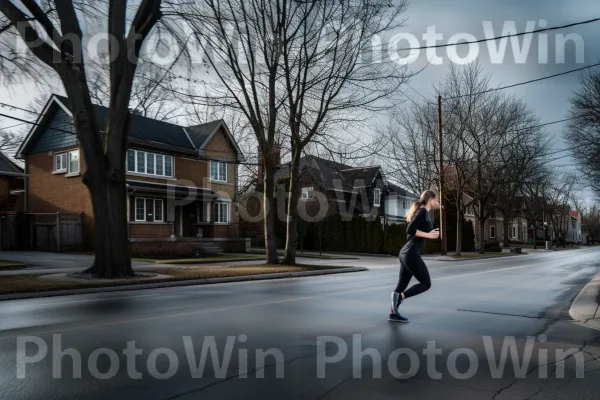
413 265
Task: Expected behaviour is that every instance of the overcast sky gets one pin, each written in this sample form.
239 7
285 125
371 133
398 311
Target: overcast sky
549 98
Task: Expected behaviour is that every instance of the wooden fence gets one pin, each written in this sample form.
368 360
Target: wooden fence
41 231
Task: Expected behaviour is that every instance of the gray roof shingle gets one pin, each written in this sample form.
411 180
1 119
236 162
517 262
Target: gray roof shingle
146 129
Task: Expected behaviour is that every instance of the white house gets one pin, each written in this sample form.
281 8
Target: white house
397 202
574 234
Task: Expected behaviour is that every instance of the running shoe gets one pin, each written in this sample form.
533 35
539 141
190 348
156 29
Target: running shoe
397 318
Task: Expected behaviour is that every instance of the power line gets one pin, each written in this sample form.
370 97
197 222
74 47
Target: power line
589 21
524 83
18 108
13 126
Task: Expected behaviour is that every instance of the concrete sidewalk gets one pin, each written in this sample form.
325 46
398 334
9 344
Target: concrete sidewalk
586 307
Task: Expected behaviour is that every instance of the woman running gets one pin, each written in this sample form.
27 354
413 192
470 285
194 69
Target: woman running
419 228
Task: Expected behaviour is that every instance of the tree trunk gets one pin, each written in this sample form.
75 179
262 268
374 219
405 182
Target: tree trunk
112 247
505 240
481 229
270 212
459 228
291 243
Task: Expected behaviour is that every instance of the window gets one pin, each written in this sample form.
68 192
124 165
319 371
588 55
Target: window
158 210
67 162
149 210
203 213
404 204
307 192
143 162
222 212
60 162
514 231
140 209
377 197
218 171
150 163
492 232
73 162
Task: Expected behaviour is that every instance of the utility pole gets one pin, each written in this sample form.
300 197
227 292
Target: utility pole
444 239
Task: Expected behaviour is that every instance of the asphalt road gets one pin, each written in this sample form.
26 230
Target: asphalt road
324 337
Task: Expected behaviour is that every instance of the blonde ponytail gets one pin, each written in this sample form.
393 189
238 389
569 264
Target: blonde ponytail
424 199
413 209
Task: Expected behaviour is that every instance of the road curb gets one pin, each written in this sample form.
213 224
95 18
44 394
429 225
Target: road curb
472 258
586 306
195 282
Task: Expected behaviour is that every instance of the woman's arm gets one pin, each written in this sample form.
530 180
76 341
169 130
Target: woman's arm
412 228
434 234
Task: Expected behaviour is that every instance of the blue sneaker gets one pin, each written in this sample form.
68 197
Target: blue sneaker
397 318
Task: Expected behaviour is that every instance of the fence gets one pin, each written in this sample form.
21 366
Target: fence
41 231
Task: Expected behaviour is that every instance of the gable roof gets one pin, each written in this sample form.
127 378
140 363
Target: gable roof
399 191
8 167
201 134
336 176
143 130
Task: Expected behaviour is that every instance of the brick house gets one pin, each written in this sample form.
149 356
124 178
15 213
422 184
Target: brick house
182 180
344 189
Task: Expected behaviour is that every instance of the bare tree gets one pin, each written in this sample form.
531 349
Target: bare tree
583 133
53 32
412 147
590 221
242 41
535 197
495 124
327 80
560 201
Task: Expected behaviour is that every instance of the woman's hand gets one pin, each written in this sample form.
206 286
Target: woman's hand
434 234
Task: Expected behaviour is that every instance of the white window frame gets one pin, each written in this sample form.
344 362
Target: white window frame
162 210
145 203
306 191
217 205
221 170
143 199
377 197
206 213
146 157
69 153
63 164
492 232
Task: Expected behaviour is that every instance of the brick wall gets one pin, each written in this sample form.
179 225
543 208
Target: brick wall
49 193
4 192
150 230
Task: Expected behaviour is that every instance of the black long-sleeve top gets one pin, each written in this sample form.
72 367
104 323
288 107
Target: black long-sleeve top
421 221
